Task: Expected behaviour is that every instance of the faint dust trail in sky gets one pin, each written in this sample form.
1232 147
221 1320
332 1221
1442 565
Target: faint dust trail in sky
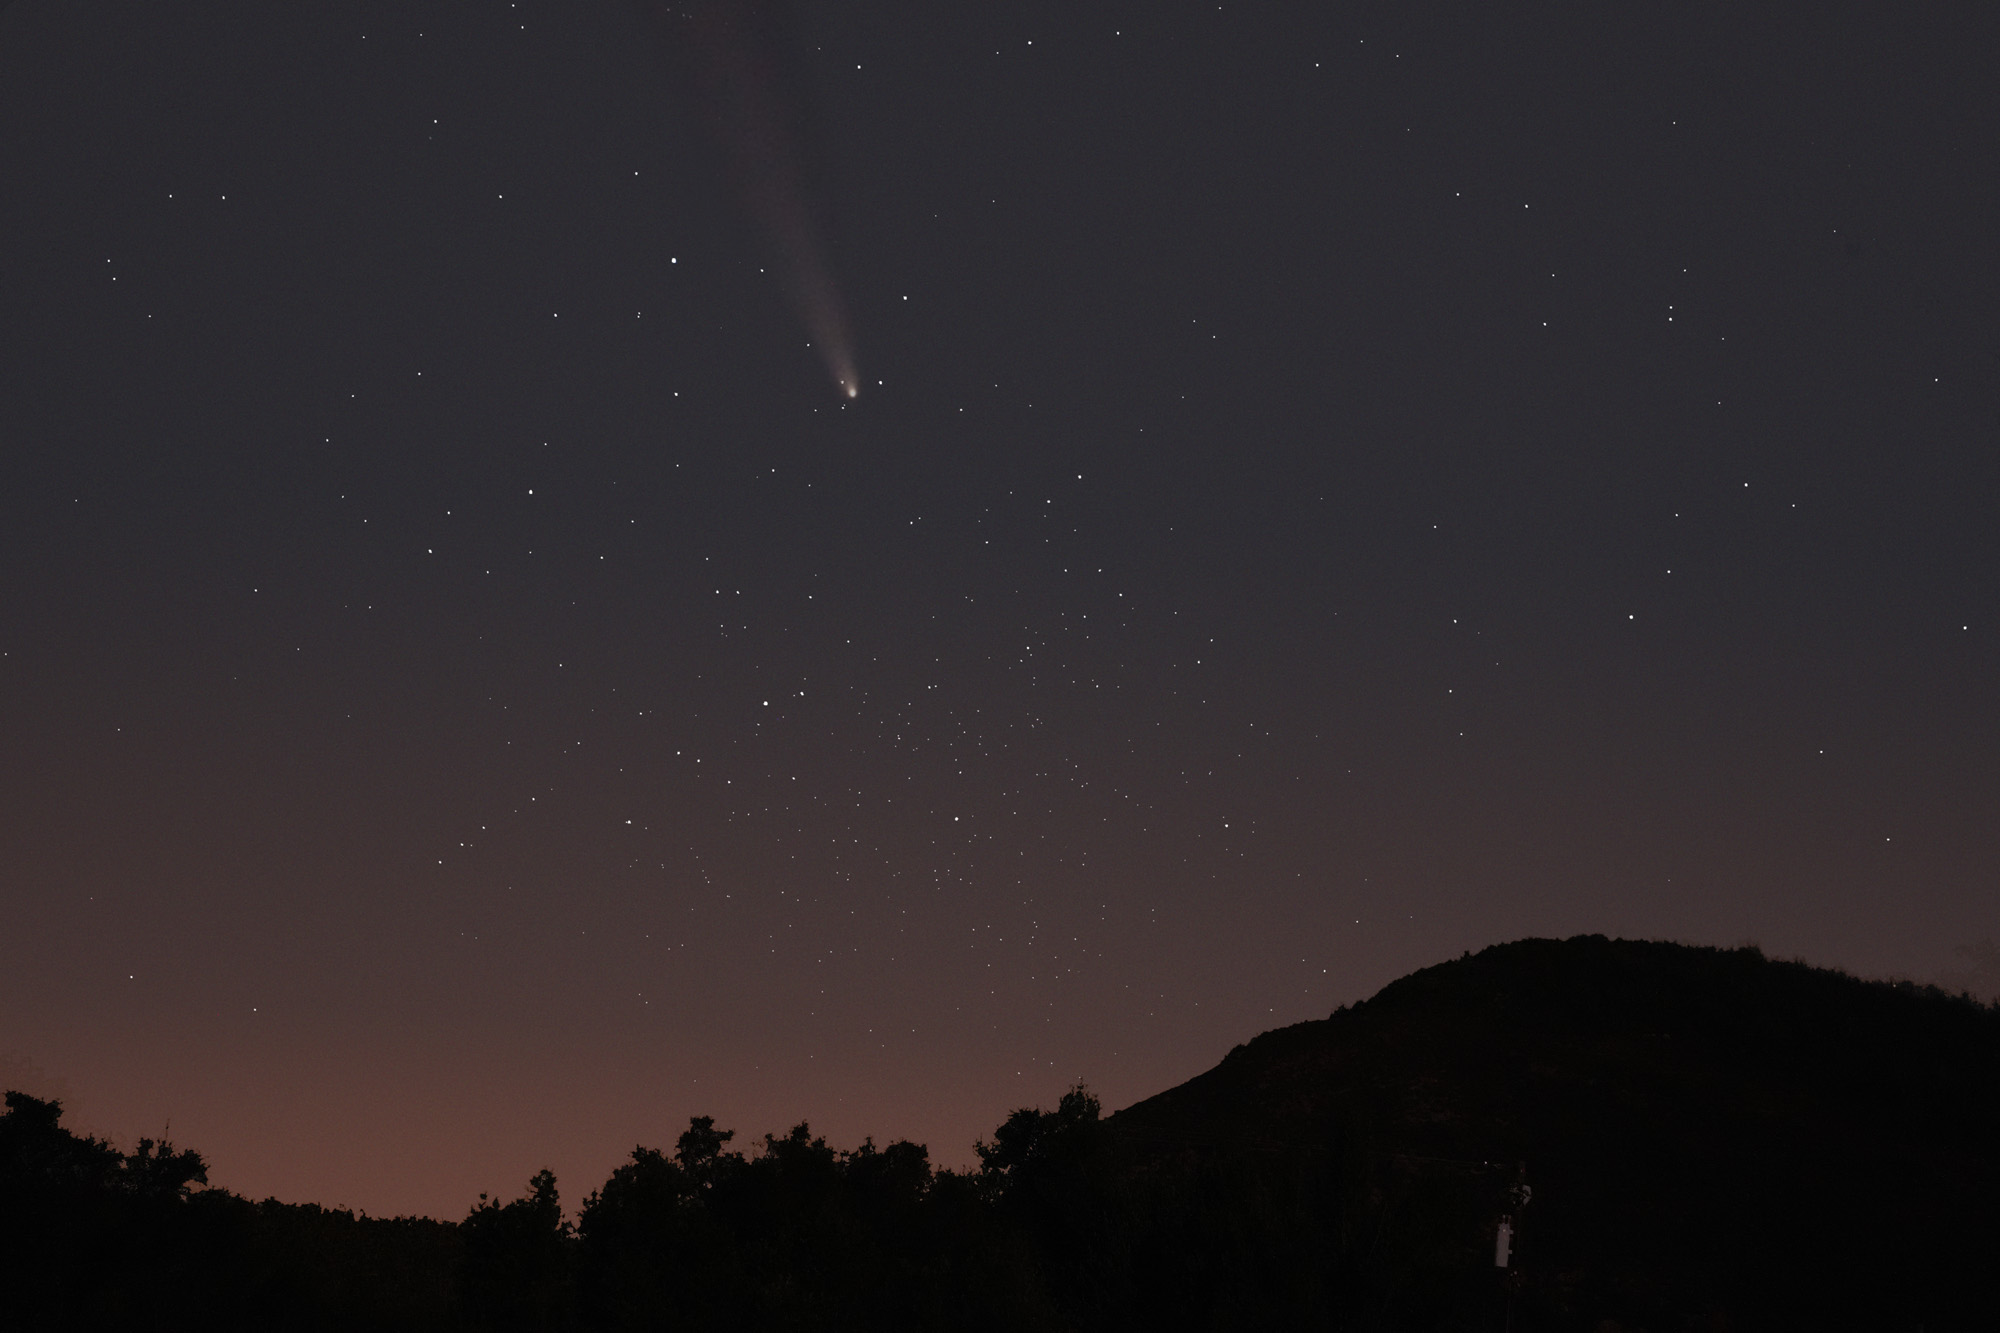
745 94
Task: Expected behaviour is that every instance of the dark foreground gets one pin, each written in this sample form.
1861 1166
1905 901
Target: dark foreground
1678 1138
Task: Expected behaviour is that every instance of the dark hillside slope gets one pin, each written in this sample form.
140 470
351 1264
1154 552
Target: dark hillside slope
1711 1138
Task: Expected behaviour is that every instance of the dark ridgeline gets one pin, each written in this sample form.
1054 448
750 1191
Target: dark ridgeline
1681 1138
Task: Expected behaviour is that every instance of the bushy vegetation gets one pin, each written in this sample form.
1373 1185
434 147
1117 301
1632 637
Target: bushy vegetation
1680 1138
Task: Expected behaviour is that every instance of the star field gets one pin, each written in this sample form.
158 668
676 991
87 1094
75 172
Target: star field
1328 489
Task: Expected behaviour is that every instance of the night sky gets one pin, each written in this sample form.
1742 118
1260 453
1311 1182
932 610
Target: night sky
1331 486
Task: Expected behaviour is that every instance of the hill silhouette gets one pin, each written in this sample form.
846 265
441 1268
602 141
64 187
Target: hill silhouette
1708 1137
1673 1137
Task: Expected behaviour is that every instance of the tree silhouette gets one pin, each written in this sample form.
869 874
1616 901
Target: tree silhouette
35 1150
156 1170
1033 1142
518 1256
699 1150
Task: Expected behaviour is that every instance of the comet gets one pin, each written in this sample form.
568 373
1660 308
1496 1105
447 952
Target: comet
737 72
